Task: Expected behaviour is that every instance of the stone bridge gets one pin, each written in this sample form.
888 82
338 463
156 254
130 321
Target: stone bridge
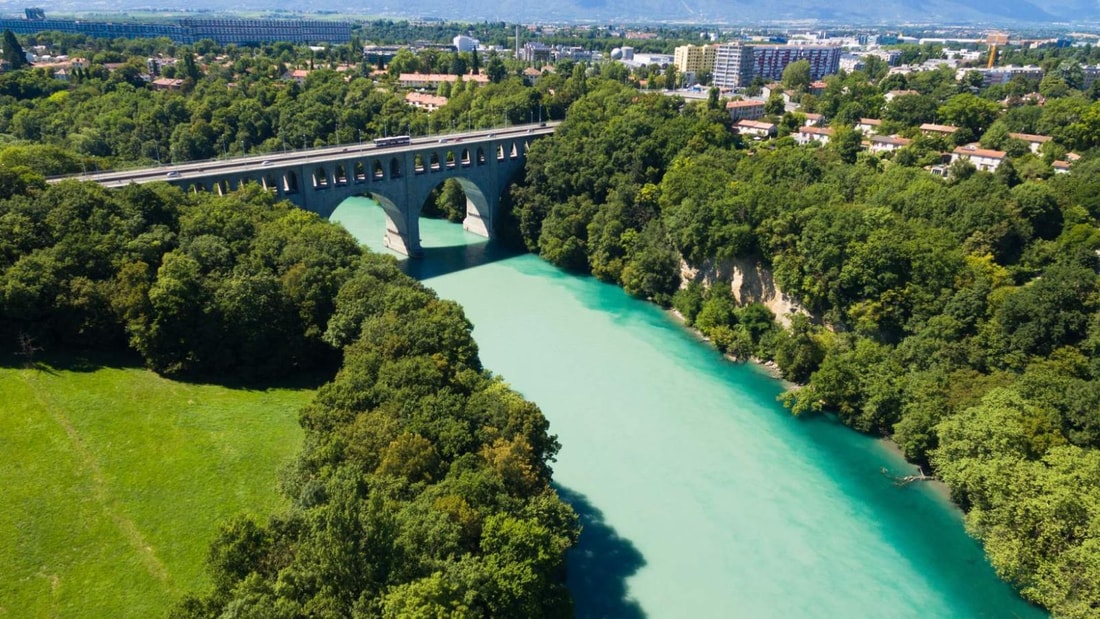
399 176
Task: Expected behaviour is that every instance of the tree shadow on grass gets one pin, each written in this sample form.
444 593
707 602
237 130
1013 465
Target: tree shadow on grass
599 565
60 359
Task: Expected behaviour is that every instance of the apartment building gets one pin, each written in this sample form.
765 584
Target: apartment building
695 58
745 110
733 65
770 60
736 64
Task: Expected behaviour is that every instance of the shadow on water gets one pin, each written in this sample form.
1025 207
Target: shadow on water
439 261
600 564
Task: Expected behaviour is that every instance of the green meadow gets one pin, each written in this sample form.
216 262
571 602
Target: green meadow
115 480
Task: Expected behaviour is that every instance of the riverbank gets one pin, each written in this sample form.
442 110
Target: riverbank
768 367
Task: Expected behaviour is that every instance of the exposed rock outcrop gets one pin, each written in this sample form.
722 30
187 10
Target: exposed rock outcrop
750 281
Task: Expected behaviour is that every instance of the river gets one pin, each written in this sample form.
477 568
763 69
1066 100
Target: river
700 495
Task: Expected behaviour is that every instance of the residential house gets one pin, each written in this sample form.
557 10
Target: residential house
820 135
887 143
770 89
1034 142
984 159
869 126
531 75
1060 167
164 83
755 128
941 130
296 75
813 120
425 101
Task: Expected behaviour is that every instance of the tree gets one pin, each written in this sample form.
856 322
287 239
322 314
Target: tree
775 105
672 77
796 76
847 142
13 51
875 67
496 70
971 114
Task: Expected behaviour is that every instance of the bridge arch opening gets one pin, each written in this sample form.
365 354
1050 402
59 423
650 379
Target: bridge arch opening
320 178
500 152
377 172
465 157
435 162
450 159
460 199
340 175
514 154
360 172
418 164
480 156
290 182
395 168
270 183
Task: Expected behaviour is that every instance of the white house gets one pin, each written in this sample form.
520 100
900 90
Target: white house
984 159
820 135
887 143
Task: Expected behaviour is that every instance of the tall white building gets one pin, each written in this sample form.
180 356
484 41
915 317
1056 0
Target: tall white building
464 43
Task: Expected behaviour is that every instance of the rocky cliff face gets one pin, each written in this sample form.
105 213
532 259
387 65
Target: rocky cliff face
750 281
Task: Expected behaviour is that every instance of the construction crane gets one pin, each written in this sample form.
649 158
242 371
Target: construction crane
992 56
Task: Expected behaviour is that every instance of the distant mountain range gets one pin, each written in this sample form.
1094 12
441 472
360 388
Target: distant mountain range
891 12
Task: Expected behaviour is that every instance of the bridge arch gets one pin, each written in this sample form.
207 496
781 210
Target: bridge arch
290 182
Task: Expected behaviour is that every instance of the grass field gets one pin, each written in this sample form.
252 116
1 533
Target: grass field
113 481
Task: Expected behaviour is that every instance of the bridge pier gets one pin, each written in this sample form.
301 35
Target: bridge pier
402 243
475 222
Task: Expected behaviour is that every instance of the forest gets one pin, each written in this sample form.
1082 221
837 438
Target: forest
957 316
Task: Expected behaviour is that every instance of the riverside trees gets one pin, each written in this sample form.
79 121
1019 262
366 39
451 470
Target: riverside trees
958 316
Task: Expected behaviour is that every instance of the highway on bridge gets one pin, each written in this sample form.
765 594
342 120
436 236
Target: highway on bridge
179 173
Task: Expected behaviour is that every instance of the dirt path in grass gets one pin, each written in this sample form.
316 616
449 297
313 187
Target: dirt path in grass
101 491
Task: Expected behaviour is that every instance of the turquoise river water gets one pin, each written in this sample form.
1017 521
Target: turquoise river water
700 495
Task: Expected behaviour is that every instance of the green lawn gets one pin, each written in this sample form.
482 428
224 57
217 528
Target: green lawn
113 481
